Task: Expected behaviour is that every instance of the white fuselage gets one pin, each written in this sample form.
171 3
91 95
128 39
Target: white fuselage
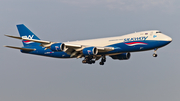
102 42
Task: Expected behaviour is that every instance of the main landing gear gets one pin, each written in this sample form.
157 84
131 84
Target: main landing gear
155 55
103 59
88 60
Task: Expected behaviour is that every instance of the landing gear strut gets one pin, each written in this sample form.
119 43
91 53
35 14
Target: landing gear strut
103 59
155 55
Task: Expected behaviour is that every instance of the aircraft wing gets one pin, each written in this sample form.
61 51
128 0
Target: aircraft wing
76 50
80 47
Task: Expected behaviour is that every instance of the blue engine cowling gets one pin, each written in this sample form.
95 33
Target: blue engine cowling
90 51
57 47
123 56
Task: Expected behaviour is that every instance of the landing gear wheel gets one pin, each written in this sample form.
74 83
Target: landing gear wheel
89 62
84 61
93 61
104 60
154 55
101 63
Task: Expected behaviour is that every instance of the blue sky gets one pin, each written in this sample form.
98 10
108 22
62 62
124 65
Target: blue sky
26 77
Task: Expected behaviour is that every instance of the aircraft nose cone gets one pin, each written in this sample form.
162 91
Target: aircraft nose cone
169 38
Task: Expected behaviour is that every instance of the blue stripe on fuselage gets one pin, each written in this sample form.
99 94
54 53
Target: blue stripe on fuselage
41 51
119 48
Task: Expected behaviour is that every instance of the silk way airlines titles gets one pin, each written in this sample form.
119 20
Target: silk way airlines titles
136 39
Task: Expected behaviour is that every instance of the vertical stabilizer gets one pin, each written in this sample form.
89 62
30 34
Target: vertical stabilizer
26 33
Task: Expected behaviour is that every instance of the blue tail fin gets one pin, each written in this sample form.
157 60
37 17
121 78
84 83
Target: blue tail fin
26 33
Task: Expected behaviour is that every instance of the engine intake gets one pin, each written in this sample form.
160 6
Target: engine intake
90 51
57 47
123 56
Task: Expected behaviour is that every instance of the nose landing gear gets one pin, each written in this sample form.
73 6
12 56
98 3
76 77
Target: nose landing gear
155 54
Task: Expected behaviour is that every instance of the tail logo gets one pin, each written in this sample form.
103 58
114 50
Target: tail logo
27 37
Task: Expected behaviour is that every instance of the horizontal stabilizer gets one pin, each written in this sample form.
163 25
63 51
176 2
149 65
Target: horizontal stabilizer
26 49
16 37
33 40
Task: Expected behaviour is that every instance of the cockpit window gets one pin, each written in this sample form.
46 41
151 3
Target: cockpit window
159 32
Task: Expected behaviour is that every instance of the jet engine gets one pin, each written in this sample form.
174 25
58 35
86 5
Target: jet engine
123 56
57 47
90 51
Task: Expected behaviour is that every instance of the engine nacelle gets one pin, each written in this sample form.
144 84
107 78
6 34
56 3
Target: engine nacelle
123 56
57 47
90 51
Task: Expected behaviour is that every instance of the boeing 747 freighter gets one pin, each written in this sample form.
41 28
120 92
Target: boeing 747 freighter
91 50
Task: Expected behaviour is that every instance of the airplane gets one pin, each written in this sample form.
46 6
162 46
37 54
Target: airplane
118 48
